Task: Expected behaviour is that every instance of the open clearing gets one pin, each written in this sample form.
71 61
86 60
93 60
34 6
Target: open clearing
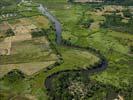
39 21
26 68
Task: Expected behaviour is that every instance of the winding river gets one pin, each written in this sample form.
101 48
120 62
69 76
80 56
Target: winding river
95 69
56 23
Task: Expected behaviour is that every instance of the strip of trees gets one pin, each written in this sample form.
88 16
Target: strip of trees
114 22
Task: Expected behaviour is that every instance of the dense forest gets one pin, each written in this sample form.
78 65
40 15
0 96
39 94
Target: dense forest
78 86
125 2
116 22
7 2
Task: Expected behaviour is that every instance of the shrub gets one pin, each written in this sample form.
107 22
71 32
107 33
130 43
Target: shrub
38 33
9 32
14 76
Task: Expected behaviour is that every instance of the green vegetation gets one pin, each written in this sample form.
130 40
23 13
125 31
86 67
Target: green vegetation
34 85
115 22
81 28
77 85
9 32
18 11
14 75
115 46
118 2
29 51
4 3
38 34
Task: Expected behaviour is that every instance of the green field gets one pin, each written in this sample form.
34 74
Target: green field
35 85
81 25
114 45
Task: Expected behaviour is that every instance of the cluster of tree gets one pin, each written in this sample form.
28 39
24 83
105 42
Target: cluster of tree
39 33
91 49
14 75
115 1
61 91
85 21
52 44
70 1
115 22
4 3
127 13
124 2
9 32
131 49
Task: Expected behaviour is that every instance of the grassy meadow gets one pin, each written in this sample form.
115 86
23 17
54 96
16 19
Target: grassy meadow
116 46
34 85
81 25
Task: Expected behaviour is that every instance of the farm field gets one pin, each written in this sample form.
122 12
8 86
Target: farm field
34 67
20 51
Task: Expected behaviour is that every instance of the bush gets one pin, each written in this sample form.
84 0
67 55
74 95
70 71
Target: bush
115 22
9 32
14 75
39 33
127 14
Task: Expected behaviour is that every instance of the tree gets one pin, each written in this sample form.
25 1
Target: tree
9 32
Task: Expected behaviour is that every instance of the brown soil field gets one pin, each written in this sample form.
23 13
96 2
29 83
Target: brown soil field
4 26
27 68
25 21
41 21
22 44
5 46
37 48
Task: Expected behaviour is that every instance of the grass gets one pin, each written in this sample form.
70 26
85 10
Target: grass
29 68
73 59
20 10
41 22
29 51
114 45
29 56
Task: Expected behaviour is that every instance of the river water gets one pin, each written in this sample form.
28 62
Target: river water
56 23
